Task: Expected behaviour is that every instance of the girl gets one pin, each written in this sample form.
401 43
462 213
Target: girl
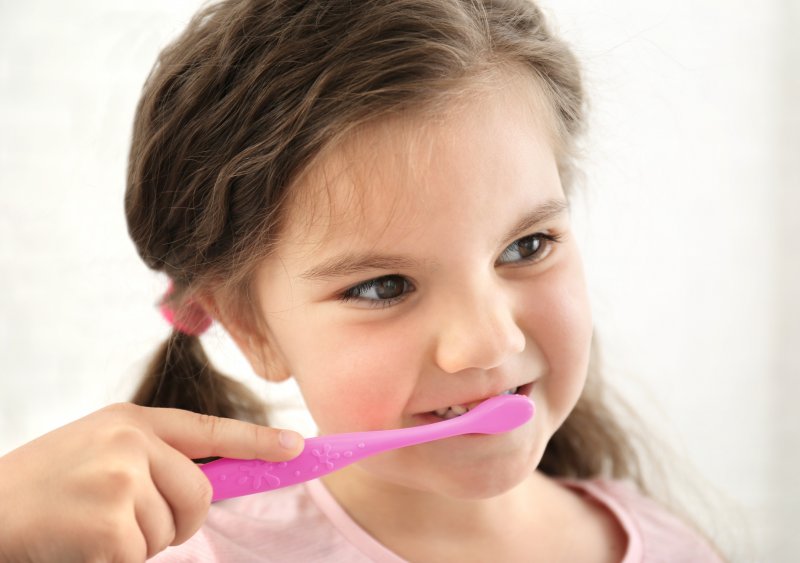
372 198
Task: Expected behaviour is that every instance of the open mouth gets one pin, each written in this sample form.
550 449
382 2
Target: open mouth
453 411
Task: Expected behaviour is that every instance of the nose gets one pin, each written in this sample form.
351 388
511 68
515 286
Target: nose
478 331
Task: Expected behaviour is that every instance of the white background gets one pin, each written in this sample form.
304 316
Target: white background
688 223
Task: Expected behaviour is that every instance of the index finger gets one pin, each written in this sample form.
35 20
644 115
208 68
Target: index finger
201 435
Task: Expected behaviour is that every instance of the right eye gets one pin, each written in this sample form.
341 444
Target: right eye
529 249
379 292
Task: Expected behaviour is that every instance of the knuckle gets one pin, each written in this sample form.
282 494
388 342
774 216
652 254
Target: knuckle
204 494
117 484
109 531
117 539
126 436
194 507
262 436
199 494
155 547
122 409
212 426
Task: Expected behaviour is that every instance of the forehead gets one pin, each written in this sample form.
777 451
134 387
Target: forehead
391 175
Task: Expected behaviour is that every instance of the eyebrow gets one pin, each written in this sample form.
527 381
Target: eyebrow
348 264
548 210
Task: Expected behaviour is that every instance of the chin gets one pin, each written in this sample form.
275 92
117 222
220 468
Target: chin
464 479
496 465
467 485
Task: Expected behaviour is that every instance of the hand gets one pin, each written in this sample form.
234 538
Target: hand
119 484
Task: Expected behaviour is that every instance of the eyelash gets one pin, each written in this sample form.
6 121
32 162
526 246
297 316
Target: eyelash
550 240
356 292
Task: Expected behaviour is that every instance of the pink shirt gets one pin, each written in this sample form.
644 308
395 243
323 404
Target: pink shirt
305 523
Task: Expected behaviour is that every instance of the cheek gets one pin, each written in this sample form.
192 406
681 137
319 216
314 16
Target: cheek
560 323
354 376
568 326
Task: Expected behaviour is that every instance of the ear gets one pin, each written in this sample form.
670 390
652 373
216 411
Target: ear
261 351
262 354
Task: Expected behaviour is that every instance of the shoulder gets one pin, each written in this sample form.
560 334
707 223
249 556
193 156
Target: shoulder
282 525
654 533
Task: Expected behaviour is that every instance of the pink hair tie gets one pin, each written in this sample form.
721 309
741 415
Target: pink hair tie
190 319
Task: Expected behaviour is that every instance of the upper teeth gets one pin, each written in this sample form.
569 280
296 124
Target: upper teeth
458 410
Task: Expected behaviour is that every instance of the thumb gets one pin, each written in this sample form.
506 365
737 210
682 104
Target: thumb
201 435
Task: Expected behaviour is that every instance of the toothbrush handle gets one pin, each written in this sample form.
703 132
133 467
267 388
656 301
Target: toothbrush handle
321 455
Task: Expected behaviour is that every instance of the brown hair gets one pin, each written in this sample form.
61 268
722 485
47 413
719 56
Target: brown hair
240 105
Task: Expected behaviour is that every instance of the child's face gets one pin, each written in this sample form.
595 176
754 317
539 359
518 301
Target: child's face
416 280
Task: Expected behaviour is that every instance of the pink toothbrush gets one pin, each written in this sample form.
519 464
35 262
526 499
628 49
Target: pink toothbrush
326 454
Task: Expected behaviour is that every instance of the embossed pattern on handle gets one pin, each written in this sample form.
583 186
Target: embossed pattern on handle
325 454
320 456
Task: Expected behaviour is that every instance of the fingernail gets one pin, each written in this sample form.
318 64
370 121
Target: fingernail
288 439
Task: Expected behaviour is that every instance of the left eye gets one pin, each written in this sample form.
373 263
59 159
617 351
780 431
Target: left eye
529 249
384 290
